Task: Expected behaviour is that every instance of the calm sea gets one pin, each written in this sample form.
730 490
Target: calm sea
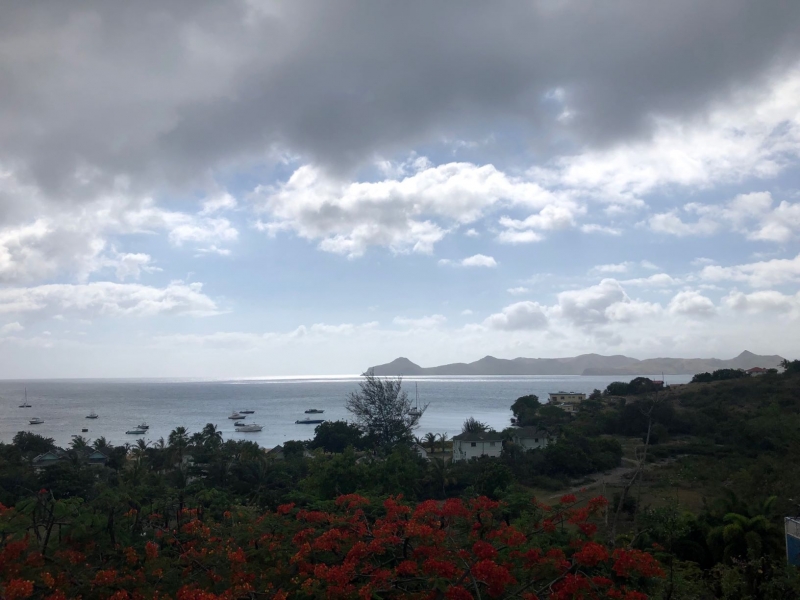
166 404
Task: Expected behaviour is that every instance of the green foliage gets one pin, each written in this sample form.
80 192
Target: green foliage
472 425
335 436
32 443
719 375
524 409
639 385
383 411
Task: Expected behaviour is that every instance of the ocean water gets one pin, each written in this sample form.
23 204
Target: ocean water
278 402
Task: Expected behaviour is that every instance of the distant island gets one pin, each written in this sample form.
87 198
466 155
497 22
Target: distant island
585 364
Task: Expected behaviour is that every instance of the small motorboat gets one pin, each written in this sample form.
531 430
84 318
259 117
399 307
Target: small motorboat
136 432
144 426
91 415
251 428
239 424
84 429
309 421
314 411
236 415
247 412
36 421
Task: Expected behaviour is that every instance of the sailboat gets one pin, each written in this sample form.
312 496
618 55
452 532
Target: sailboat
25 402
416 412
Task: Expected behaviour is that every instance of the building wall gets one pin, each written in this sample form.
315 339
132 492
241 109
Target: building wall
464 450
792 541
532 443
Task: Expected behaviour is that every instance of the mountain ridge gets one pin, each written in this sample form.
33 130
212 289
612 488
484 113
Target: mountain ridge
583 364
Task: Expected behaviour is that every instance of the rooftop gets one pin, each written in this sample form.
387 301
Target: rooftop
479 436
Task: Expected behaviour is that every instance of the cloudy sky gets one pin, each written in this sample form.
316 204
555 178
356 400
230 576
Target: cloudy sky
196 188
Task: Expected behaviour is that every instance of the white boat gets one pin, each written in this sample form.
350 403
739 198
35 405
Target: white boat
144 426
416 412
25 402
309 421
247 412
135 432
91 415
36 421
252 428
314 411
236 415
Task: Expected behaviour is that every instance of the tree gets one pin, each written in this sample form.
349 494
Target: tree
443 440
382 409
79 443
212 436
178 442
335 436
430 439
472 425
32 443
524 409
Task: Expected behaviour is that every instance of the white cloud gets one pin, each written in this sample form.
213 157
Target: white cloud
761 274
11 328
600 304
755 134
646 264
466 312
551 217
693 304
519 316
763 302
752 215
595 228
471 233
479 260
107 299
518 291
218 203
131 265
405 215
657 280
612 268
428 322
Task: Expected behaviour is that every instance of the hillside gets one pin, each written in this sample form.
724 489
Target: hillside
585 364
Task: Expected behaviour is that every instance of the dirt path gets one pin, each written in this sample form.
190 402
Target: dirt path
614 477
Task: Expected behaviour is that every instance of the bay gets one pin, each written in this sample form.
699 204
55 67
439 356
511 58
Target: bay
164 404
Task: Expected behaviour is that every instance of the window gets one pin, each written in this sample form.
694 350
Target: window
536 440
473 444
492 443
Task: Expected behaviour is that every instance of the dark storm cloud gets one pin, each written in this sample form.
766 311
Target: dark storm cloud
164 91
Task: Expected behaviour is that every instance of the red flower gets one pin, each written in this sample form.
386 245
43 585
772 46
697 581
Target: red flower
18 588
151 550
591 554
495 576
636 562
568 499
457 592
484 550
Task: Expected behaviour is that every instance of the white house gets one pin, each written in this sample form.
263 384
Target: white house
567 401
420 450
531 438
473 445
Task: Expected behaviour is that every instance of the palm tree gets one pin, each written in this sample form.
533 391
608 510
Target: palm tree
178 441
441 472
745 531
212 436
101 445
472 425
79 443
443 439
430 439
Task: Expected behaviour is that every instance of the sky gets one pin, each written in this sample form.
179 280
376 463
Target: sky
257 188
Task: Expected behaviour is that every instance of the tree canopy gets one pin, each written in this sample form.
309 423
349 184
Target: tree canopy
382 409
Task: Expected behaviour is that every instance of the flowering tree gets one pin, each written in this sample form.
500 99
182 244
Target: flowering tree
450 550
